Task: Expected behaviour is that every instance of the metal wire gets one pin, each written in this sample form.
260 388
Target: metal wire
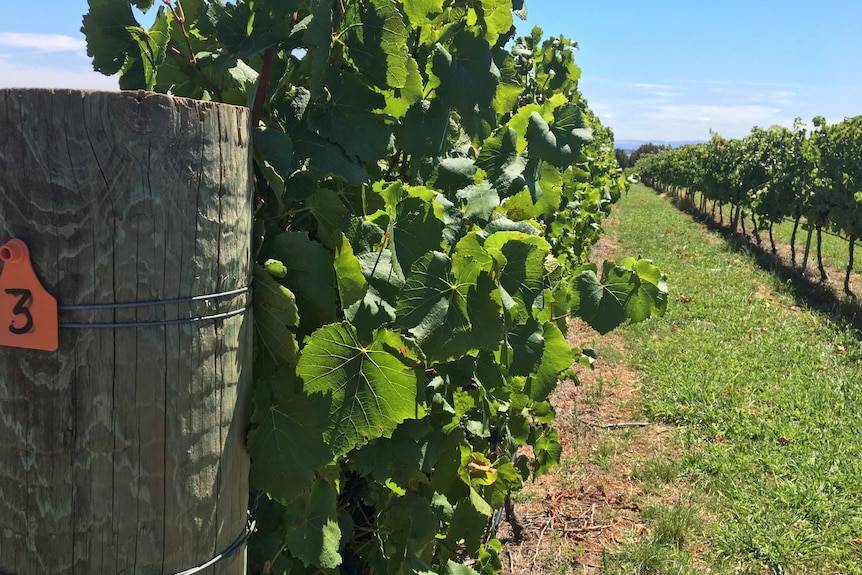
125 305
226 294
198 319
238 543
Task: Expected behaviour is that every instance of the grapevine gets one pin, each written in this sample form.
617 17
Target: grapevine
428 187
775 174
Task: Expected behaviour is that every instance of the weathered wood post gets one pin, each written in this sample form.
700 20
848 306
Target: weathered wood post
124 451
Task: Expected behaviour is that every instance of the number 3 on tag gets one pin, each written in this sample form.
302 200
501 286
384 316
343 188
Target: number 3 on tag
28 313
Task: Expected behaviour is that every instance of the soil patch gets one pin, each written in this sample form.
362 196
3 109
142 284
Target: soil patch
592 500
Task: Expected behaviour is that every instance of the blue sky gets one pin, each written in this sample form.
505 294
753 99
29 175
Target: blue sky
657 70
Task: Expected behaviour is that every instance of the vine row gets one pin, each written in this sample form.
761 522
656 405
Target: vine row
429 186
776 174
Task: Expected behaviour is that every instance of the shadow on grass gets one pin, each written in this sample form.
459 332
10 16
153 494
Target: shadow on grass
806 290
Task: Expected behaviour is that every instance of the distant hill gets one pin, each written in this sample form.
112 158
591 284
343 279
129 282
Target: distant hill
632 145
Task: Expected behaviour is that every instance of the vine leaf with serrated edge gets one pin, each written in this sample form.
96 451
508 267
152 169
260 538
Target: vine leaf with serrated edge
310 276
432 307
376 39
632 289
275 313
314 534
286 441
372 387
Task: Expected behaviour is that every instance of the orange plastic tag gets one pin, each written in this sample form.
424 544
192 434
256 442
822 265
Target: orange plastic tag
28 313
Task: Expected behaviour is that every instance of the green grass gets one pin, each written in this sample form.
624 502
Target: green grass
664 549
767 397
674 525
656 472
646 557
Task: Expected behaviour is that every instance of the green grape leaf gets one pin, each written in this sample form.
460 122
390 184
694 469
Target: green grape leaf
152 49
310 277
452 174
519 418
417 230
557 357
246 29
400 100
318 37
404 457
520 207
352 285
376 39
372 386
422 131
278 8
480 201
433 308
633 290
370 313
510 89
544 145
383 273
286 441
453 568
414 525
523 280
651 297
453 220
322 157
496 15
503 224
500 160
327 158
547 451
543 412
470 259
485 306
275 310
421 12
570 124
449 477
519 123
548 198
467 79
313 533
527 341
274 148
561 143
600 308
331 214
508 480
106 27
468 522
348 118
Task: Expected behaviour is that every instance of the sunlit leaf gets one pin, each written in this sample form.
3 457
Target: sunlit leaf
372 385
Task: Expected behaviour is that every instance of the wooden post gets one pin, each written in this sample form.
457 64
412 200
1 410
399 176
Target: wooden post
124 451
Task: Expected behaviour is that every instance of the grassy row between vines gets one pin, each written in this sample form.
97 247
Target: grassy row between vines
766 396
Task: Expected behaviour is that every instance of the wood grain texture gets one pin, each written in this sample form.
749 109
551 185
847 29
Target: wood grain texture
124 452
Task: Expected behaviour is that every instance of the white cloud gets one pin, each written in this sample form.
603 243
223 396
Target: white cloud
15 75
652 87
42 42
688 110
739 84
